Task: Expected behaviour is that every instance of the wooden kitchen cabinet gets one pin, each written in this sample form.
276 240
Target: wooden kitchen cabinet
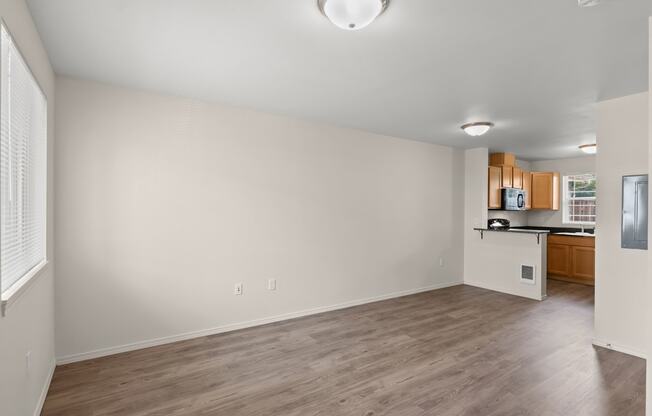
495 193
500 159
527 187
507 180
517 178
559 259
545 190
583 264
503 173
571 259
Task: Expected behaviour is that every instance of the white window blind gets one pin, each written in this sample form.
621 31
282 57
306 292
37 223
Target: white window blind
580 199
23 171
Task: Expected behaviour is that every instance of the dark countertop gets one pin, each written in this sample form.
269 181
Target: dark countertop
530 229
556 230
521 230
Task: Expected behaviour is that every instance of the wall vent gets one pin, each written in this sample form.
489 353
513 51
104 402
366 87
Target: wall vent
528 274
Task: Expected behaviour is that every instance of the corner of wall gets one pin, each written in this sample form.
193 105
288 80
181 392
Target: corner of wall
476 197
29 325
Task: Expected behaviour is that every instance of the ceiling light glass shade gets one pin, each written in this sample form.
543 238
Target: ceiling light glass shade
588 3
589 148
477 129
352 14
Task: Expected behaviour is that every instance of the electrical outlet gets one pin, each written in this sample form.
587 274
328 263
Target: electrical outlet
271 284
28 361
441 262
238 289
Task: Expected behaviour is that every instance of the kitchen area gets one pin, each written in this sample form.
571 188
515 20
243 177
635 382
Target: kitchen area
514 192
534 222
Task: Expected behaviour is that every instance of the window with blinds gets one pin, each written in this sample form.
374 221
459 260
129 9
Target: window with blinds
579 199
23 171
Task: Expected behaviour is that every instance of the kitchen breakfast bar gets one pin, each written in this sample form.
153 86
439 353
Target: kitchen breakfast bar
511 261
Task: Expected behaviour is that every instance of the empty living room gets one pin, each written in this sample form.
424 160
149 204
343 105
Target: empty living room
325 208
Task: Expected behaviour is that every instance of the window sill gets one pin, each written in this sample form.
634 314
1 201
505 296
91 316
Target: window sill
11 295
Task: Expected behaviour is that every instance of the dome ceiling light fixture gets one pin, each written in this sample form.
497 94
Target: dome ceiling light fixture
477 129
590 149
352 14
588 3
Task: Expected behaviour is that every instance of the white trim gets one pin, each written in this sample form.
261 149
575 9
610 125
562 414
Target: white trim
566 200
11 295
501 290
46 388
619 348
242 325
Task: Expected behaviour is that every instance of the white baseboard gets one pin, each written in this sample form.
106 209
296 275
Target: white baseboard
619 348
44 392
500 290
242 325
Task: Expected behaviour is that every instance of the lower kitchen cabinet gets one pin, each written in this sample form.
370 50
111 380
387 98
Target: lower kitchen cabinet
559 260
583 263
571 259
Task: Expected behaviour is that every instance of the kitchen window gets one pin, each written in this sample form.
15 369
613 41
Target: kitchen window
579 195
23 171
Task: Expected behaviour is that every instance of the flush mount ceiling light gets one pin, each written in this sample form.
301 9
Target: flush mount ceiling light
352 14
588 3
477 129
589 148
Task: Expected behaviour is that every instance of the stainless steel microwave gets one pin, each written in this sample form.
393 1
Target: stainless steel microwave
513 199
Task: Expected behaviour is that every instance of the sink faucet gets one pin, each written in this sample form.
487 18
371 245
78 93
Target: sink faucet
582 225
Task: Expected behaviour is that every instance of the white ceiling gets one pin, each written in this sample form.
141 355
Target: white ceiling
425 67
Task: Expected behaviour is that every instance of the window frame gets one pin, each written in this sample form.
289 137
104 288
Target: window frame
566 199
10 295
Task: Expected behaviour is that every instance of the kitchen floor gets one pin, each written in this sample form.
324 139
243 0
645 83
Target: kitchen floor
454 351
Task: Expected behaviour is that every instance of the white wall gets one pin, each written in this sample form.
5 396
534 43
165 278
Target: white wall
571 166
476 199
516 218
29 322
621 275
497 258
165 203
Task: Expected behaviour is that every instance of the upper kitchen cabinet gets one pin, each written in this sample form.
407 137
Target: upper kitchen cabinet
527 187
542 189
545 190
510 174
495 196
503 173
507 180
517 178
502 159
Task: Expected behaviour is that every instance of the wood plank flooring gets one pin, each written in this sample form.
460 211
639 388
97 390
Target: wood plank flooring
455 351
